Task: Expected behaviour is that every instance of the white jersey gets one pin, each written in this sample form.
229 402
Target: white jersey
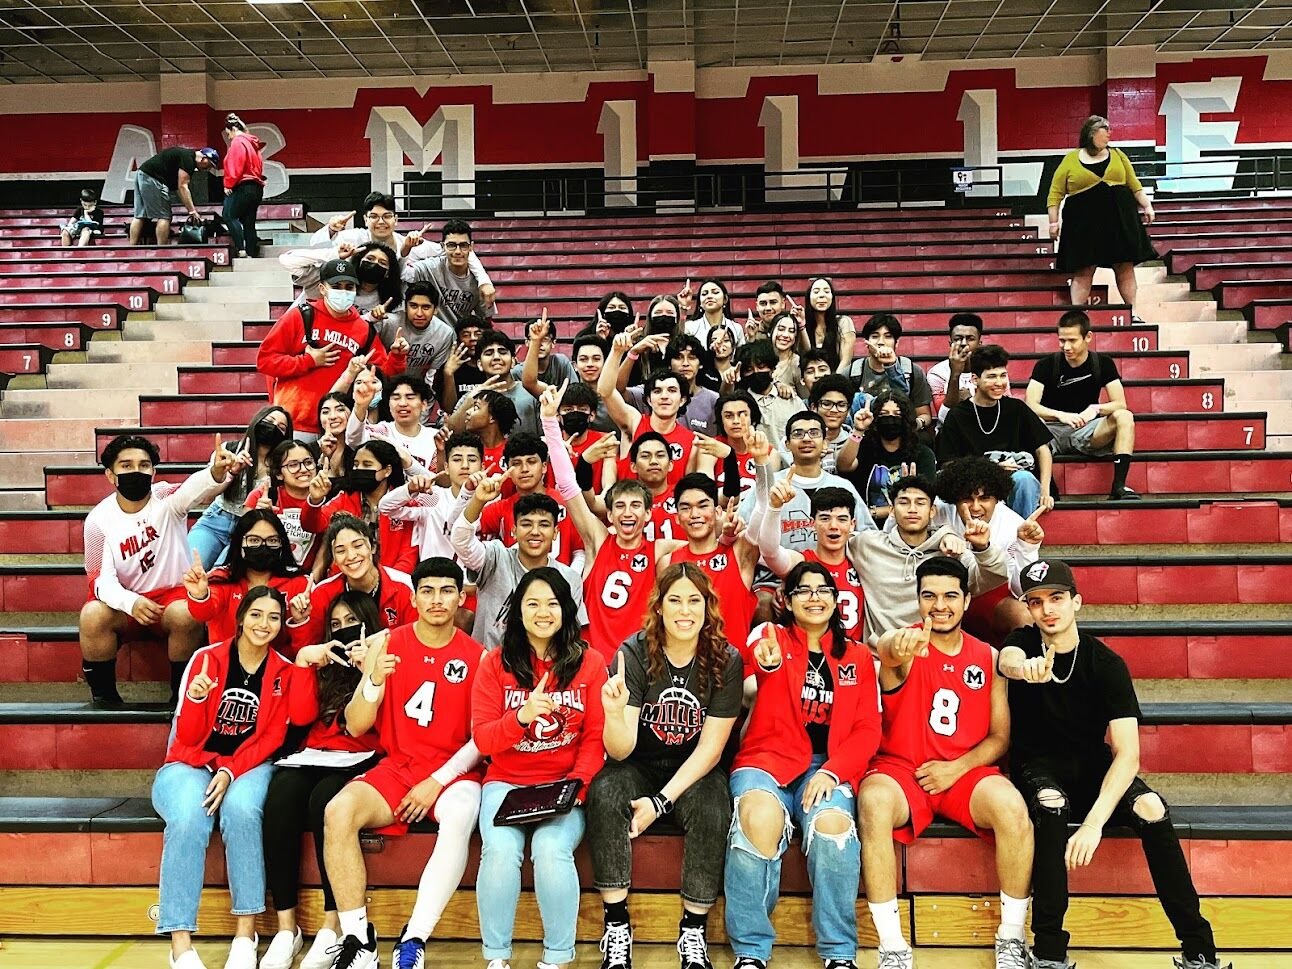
432 514
127 555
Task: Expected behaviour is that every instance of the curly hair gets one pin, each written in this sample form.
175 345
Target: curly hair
710 650
961 479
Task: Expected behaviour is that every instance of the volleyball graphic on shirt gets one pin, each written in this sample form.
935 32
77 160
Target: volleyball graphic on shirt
675 718
546 728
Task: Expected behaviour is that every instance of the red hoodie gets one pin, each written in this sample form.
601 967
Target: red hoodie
242 162
394 602
394 538
296 383
286 698
565 743
776 739
220 607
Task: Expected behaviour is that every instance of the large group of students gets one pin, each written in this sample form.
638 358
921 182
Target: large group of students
747 582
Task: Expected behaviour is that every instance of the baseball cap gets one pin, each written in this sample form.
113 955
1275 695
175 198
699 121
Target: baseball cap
1048 574
211 155
338 271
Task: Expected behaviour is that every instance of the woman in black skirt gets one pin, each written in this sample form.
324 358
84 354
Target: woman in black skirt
1103 216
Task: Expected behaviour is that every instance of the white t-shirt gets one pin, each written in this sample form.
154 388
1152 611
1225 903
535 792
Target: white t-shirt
432 514
421 446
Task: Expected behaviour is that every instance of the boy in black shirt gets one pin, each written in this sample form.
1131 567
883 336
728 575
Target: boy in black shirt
1064 392
86 223
1068 690
993 424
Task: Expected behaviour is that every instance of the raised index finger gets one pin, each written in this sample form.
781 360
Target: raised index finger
206 665
620 674
541 685
1040 510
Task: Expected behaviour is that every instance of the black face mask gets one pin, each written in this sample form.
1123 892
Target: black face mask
134 485
371 272
575 422
262 559
756 383
270 434
618 320
889 426
348 635
364 479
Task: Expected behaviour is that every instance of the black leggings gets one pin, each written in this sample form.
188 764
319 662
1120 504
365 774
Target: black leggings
240 207
297 798
1078 785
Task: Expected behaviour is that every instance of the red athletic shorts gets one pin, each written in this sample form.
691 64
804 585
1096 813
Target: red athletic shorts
981 608
393 778
163 598
951 805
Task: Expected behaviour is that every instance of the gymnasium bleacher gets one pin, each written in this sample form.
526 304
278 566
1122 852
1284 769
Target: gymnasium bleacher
1189 585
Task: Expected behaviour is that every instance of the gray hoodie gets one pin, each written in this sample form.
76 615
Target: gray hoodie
886 566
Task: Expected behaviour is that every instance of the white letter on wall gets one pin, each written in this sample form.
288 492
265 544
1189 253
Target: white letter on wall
1187 135
276 178
134 146
618 129
448 135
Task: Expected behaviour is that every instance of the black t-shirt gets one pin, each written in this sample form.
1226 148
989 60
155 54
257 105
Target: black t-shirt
972 430
235 718
467 378
1073 389
165 165
817 701
674 707
1069 720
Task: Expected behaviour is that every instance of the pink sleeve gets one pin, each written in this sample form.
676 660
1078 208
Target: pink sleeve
567 486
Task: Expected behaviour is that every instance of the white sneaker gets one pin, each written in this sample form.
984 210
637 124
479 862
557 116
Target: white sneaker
283 950
319 957
896 958
242 953
498 964
187 960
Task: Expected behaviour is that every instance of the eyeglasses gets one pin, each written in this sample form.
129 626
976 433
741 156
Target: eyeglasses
255 541
381 216
819 592
832 405
456 246
305 464
810 434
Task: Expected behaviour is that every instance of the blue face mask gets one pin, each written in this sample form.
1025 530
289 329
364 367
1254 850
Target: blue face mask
339 300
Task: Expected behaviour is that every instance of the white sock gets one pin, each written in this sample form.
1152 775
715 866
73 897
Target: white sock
1013 917
456 812
888 923
355 922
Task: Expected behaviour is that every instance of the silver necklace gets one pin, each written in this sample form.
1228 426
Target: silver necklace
1071 669
978 418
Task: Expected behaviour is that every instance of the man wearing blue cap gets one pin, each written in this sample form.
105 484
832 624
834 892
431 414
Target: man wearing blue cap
166 172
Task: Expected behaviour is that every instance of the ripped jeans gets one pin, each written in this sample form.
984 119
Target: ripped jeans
753 882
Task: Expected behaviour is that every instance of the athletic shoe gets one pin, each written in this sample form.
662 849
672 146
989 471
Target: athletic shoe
840 964
749 962
1124 494
693 949
896 959
1052 964
283 950
1184 962
323 952
1013 954
408 953
187 960
242 953
498 964
350 953
617 947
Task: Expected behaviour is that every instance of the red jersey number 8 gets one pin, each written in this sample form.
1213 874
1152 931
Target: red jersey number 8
614 593
942 718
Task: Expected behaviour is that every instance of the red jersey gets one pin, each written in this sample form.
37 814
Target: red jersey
943 709
565 743
589 439
663 519
734 595
851 596
498 520
425 715
681 440
394 595
615 594
220 607
394 538
492 462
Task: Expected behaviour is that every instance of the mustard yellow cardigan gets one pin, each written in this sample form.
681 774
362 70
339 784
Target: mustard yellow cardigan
1072 178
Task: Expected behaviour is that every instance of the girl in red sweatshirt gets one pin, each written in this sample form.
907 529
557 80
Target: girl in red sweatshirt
536 712
244 184
292 466
238 699
812 731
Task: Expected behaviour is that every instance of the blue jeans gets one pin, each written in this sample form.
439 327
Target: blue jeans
753 882
240 207
178 792
556 883
1026 495
209 536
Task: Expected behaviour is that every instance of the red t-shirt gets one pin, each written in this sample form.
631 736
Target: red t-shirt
662 526
851 596
734 595
394 538
680 439
615 594
943 710
498 520
219 609
589 439
425 714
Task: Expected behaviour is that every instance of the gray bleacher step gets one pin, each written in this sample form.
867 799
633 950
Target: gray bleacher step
133 692
17 499
1239 612
1213 691
1228 789
52 782
26 469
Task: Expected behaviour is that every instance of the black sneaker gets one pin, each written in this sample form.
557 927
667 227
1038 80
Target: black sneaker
693 949
840 964
1124 494
353 954
749 962
617 947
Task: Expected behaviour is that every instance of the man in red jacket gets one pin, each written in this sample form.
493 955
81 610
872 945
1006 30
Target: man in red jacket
312 345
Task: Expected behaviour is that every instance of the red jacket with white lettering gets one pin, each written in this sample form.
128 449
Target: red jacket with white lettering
296 383
287 697
565 743
776 739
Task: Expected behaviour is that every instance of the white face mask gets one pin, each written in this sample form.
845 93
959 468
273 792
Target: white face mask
339 300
